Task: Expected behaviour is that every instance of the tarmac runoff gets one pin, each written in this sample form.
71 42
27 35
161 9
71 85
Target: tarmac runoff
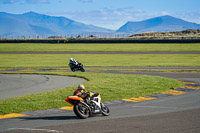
187 88
13 85
103 52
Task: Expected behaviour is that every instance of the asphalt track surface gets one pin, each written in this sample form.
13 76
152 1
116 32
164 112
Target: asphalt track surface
104 52
12 85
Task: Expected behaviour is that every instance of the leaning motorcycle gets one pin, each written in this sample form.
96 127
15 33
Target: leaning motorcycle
84 110
78 67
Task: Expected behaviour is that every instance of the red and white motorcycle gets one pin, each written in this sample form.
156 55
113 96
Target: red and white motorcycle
84 110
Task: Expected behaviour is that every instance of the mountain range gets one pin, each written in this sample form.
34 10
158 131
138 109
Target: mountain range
158 24
34 24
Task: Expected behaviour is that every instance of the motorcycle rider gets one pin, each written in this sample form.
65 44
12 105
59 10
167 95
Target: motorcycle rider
73 61
75 65
87 95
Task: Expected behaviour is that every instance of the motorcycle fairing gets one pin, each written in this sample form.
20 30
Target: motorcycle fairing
73 98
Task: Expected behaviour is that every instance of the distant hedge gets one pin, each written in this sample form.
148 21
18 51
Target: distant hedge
100 40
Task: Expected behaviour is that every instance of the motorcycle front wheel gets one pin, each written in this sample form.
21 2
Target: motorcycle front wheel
82 69
105 110
81 110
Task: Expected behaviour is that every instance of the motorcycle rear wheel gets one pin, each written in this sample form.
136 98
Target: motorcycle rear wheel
81 111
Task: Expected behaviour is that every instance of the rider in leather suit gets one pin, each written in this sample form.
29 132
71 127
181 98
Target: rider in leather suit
81 92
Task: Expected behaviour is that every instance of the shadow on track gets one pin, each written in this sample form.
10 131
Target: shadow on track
51 118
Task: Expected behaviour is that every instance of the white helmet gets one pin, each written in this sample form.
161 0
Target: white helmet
71 59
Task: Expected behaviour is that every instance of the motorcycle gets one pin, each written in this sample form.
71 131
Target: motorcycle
78 67
84 110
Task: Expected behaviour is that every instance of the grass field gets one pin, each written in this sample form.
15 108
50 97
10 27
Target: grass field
99 47
61 60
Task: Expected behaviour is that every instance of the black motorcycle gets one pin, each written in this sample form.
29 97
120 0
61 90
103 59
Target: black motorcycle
76 67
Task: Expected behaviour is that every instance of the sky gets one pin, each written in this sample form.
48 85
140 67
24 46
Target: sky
111 14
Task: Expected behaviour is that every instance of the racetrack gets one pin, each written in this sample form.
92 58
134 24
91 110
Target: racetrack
104 52
178 114
13 85
166 114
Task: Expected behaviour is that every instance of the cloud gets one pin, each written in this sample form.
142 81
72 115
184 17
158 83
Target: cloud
189 16
113 18
165 13
106 17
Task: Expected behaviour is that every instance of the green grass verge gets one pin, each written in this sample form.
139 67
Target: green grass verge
61 60
111 87
100 47
146 70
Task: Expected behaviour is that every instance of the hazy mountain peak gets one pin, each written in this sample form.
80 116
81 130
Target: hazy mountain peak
34 24
157 24
31 13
